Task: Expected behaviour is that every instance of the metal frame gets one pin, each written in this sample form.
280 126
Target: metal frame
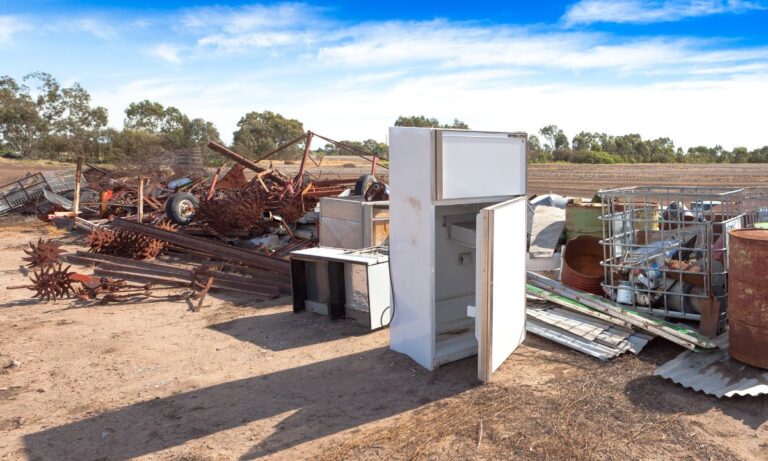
666 247
24 191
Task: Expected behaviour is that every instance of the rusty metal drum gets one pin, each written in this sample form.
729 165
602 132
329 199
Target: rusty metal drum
581 264
748 296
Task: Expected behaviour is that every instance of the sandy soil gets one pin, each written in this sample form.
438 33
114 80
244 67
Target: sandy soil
239 380
11 170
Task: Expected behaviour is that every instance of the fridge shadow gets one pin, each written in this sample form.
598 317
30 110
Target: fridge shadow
287 330
322 398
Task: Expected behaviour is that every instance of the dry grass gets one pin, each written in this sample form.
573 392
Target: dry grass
590 416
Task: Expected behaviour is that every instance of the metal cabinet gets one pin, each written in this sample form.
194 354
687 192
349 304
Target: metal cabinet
350 222
457 245
343 283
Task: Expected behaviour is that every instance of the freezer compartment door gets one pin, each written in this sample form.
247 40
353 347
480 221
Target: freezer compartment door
500 283
475 164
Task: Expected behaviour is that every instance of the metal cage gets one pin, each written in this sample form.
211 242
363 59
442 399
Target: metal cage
665 248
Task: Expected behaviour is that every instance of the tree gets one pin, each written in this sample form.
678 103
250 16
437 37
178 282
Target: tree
535 152
145 115
585 141
171 128
556 140
261 132
740 155
20 124
424 122
63 121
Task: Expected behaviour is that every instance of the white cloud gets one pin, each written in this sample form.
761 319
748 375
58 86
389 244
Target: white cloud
96 27
10 25
352 81
650 11
167 52
250 40
248 18
443 45
245 28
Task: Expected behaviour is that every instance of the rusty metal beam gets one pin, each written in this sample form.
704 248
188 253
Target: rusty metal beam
283 147
89 259
214 249
351 149
175 275
234 156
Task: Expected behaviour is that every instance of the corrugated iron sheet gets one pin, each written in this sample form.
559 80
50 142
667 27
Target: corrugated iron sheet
569 340
591 336
715 373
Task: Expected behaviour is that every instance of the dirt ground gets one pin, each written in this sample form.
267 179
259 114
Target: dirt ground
239 380
11 170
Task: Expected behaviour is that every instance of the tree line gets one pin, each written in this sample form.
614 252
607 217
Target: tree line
40 118
588 147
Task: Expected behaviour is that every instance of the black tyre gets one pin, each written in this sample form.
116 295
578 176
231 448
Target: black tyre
180 207
363 183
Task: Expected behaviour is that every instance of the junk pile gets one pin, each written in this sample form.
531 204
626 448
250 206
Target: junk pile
213 232
684 264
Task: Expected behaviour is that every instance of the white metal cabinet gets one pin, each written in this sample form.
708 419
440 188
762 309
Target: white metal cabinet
350 222
441 235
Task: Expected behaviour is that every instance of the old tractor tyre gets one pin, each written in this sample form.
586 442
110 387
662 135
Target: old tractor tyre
180 207
363 183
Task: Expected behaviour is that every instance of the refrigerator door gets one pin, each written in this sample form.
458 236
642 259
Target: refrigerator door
473 165
500 283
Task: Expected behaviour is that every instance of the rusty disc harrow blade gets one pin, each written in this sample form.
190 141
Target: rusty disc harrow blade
43 254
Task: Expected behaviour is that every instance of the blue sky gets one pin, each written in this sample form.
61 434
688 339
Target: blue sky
694 71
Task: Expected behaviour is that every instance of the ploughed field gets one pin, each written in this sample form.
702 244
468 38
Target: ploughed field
585 180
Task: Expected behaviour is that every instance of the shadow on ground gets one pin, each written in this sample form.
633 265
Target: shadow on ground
287 330
322 398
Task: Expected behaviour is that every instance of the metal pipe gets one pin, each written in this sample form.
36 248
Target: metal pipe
78 175
234 156
141 199
298 180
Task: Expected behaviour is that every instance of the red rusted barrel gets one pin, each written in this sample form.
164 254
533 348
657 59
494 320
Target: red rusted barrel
581 264
748 296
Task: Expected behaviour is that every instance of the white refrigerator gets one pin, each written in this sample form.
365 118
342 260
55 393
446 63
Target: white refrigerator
458 234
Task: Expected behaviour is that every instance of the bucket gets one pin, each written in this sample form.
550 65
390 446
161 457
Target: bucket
624 294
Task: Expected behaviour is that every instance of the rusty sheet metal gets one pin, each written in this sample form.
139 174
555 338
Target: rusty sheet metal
748 296
234 179
715 373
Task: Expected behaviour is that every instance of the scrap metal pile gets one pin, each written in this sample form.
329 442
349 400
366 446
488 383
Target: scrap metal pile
52 280
682 263
215 232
